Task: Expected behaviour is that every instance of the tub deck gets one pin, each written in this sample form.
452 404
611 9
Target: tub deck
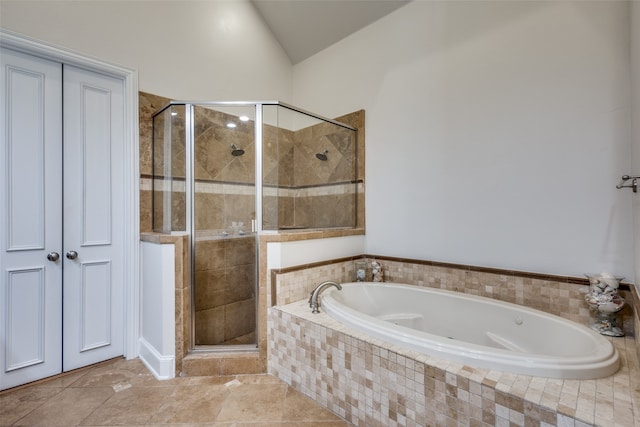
372 383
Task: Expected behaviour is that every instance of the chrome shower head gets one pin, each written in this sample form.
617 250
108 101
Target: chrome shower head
235 151
322 156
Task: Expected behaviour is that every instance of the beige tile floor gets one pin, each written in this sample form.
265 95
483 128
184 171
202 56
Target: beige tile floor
124 393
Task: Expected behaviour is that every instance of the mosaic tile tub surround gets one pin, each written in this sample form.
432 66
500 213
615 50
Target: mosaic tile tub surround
371 383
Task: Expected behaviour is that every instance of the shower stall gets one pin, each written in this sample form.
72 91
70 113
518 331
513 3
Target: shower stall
225 173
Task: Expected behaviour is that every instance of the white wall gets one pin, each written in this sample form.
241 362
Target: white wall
635 120
301 252
195 50
157 307
496 131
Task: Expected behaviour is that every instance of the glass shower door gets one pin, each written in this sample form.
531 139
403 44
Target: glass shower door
224 243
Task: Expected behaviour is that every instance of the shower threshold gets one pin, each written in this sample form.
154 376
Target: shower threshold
221 348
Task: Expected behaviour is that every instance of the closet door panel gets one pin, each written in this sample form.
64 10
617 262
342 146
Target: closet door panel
96 173
25 146
93 176
30 218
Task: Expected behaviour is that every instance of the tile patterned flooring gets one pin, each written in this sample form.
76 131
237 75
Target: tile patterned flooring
124 393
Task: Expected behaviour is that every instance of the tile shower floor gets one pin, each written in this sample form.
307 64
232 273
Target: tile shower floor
124 393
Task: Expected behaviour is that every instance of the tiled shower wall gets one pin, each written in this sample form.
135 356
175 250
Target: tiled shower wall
225 193
276 173
225 299
331 205
300 190
373 384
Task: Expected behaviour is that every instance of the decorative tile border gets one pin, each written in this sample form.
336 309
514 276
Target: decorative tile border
202 186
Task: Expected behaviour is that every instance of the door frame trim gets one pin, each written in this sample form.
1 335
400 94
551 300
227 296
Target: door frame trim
129 77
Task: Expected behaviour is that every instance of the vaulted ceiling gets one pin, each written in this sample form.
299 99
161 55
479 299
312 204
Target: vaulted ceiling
305 27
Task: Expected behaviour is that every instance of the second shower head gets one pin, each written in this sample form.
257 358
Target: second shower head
235 151
322 156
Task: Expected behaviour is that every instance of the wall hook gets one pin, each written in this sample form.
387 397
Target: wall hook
633 185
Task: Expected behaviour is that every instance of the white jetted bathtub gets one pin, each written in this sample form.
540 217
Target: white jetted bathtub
475 331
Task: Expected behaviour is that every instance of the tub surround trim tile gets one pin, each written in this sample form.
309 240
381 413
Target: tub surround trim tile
625 285
277 271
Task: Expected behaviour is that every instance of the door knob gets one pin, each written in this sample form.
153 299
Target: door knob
53 256
72 255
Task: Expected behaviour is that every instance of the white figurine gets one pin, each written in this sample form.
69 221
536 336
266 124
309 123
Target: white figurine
376 271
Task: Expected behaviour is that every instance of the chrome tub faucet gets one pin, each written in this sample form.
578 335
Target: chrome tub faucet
313 299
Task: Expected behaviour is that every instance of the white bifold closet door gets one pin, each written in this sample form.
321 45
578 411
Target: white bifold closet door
61 182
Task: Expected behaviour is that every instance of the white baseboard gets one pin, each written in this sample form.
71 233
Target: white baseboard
162 367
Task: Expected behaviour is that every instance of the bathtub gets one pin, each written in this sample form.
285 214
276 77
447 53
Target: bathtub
476 331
